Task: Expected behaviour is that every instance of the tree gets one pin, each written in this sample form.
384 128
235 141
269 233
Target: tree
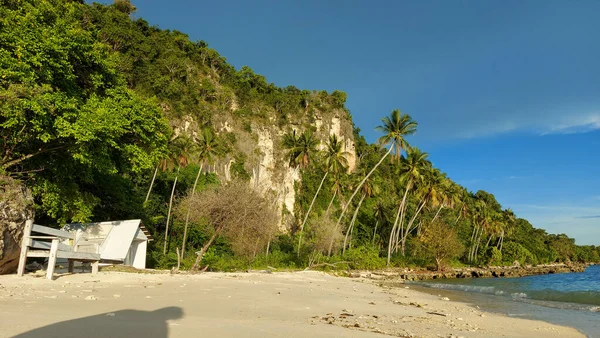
412 170
336 159
181 150
367 191
235 211
395 127
299 148
67 118
440 242
207 149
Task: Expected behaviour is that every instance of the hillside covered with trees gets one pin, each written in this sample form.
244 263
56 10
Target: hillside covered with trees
106 117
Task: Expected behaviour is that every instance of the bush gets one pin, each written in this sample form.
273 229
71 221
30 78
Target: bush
494 256
364 257
516 252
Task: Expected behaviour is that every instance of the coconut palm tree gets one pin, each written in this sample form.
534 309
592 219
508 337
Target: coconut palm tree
367 191
300 148
208 148
181 150
336 159
380 214
412 169
395 127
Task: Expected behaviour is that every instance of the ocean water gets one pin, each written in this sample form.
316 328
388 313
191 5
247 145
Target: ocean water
571 299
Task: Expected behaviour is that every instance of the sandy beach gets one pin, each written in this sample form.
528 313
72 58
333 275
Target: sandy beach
298 304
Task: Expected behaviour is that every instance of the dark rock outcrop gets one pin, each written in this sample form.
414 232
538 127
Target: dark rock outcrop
16 207
493 272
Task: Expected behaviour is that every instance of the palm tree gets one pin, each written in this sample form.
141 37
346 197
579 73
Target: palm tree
380 216
335 160
207 149
300 148
509 223
181 150
412 169
368 191
395 127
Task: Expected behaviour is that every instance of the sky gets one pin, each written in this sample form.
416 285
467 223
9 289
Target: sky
506 94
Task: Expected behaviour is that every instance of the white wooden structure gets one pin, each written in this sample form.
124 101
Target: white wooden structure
53 243
122 242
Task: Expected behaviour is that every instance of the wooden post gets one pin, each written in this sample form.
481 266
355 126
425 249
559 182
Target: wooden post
52 259
71 265
24 247
95 267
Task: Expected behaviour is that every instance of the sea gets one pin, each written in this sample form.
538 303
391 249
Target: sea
568 299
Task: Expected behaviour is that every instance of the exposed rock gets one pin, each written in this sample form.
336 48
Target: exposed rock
16 207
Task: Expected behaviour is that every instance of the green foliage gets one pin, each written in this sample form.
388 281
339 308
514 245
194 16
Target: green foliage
495 257
364 257
514 252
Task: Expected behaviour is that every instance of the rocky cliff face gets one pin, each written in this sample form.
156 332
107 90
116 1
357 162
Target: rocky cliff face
258 148
16 206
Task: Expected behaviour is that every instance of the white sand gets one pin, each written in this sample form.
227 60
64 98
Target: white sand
300 304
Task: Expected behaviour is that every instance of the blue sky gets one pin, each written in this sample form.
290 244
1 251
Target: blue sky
507 94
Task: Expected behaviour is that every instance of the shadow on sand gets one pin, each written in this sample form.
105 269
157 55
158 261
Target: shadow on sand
124 323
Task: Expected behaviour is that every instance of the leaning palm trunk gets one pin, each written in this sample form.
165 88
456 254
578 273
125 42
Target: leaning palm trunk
169 213
398 216
473 237
437 213
331 202
151 184
308 212
374 232
352 222
337 225
187 216
409 227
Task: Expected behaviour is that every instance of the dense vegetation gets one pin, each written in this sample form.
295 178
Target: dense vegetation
105 117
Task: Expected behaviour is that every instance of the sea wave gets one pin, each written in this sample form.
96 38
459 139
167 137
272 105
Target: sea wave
577 300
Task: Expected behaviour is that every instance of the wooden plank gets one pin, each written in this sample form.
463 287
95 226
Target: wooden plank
38 253
52 259
94 267
49 231
43 237
24 247
88 256
47 245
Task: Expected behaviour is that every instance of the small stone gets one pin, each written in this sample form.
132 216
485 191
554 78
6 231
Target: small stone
90 298
444 298
110 314
482 315
116 296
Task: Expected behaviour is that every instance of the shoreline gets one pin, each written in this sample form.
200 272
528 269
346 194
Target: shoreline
423 274
281 304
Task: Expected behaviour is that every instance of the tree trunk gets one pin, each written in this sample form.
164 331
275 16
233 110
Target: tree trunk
392 233
151 184
169 213
473 236
409 226
187 216
204 249
331 202
374 232
437 213
337 225
362 198
308 212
